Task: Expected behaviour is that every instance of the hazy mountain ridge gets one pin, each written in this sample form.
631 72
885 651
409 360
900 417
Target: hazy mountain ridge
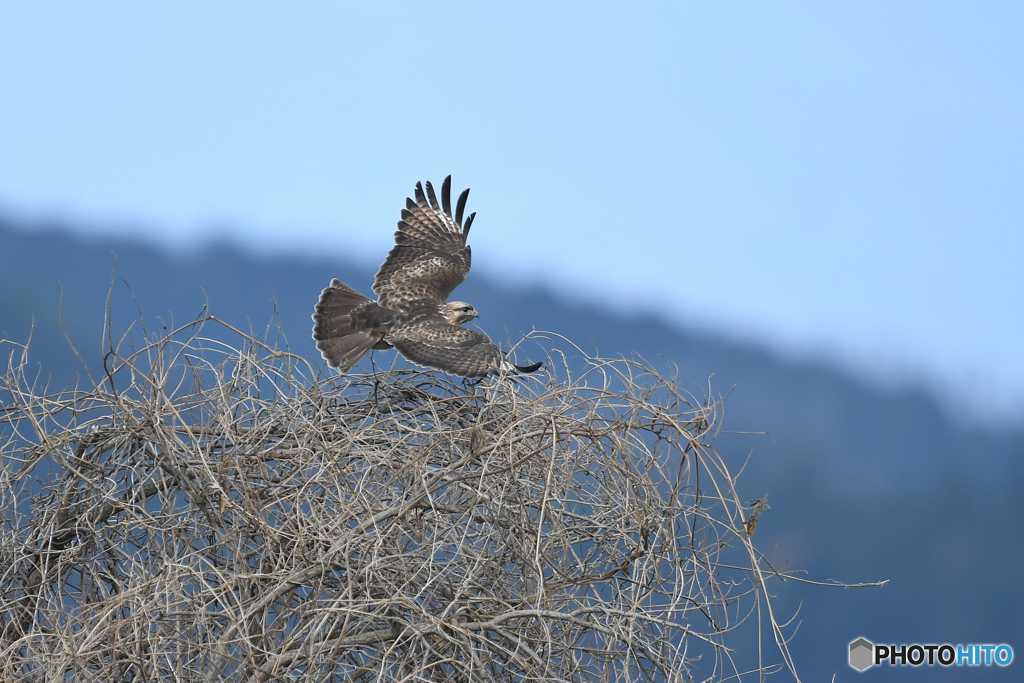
766 392
864 483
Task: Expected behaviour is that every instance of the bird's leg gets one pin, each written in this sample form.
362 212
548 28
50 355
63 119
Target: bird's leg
469 384
376 382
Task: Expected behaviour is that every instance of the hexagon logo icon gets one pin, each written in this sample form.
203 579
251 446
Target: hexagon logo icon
861 651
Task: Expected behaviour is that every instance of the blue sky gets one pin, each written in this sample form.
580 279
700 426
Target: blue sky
841 181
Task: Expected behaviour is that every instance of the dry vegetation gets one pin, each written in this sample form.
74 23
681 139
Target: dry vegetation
213 510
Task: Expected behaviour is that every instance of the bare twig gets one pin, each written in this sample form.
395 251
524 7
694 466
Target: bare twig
214 510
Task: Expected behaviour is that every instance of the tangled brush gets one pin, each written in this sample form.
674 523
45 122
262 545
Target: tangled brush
214 508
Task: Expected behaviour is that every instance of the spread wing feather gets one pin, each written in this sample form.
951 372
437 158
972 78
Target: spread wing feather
456 350
429 260
430 257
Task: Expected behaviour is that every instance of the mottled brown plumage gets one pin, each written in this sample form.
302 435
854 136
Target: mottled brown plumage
429 260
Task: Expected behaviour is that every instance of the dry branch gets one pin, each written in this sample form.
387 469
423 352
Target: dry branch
218 510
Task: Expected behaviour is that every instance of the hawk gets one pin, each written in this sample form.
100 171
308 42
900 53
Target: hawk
429 260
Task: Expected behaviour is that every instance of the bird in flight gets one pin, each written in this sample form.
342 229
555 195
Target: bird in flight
429 260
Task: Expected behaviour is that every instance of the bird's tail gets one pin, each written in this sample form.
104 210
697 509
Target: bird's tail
339 342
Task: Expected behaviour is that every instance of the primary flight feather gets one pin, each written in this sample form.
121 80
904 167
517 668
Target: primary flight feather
429 260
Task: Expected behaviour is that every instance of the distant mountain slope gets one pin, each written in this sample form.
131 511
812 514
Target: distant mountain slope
863 483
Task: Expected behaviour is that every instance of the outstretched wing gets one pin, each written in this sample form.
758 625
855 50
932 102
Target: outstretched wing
430 257
456 350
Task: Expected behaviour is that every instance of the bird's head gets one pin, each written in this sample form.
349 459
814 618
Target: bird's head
459 312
